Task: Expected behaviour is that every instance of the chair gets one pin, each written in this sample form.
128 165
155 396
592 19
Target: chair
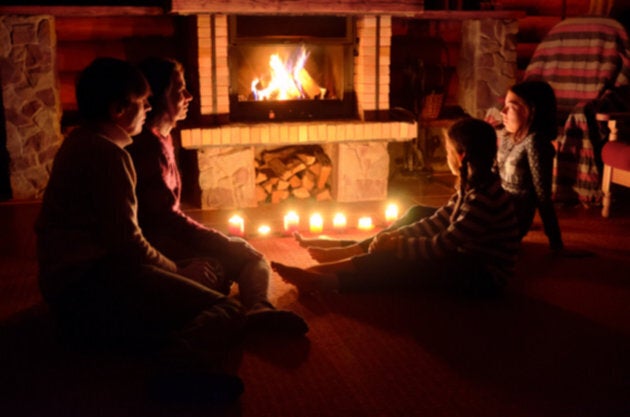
615 156
581 58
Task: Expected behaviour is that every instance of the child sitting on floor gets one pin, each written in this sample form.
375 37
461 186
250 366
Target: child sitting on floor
470 244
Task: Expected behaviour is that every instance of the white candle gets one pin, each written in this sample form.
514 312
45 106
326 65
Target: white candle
365 223
291 222
391 214
264 230
236 225
339 222
316 223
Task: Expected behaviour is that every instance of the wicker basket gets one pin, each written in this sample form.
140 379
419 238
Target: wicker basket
432 106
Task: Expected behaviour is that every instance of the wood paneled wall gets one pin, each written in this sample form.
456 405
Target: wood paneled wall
82 39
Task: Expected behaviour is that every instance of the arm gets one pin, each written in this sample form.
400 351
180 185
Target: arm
158 187
540 161
404 239
116 211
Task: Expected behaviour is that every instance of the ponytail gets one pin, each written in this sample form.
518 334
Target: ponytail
462 184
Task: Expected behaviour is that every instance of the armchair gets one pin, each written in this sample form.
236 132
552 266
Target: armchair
582 59
615 156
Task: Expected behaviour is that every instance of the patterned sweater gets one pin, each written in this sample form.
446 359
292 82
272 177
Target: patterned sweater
526 173
484 228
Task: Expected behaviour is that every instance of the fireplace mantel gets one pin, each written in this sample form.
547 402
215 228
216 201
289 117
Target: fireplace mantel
398 8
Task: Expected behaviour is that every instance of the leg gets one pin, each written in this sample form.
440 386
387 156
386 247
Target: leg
320 242
329 253
253 282
317 278
143 305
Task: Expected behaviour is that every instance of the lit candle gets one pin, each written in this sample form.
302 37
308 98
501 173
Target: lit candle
391 214
236 225
365 223
339 222
316 224
291 222
264 230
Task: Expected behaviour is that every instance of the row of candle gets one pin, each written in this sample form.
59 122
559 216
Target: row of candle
291 223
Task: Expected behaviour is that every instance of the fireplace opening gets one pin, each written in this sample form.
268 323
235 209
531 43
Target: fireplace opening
291 68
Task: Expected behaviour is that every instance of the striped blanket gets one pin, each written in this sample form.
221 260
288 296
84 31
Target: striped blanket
581 58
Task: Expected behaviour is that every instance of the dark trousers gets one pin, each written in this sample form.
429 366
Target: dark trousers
461 274
118 305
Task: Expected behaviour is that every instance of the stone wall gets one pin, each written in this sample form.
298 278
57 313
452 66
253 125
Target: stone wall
487 63
30 100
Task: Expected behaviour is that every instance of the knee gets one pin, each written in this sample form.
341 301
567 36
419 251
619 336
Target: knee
418 212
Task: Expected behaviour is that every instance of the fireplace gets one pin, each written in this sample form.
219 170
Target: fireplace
350 117
291 68
349 67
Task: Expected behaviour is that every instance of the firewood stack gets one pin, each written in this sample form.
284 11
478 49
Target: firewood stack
293 171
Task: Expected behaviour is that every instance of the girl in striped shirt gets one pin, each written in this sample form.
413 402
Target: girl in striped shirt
470 244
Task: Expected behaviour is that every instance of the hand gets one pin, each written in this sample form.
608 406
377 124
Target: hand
199 271
384 242
494 118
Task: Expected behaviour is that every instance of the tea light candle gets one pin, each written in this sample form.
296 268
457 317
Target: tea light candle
264 230
339 222
291 222
236 225
365 223
391 213
316 223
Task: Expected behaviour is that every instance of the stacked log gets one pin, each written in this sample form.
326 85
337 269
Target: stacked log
300 172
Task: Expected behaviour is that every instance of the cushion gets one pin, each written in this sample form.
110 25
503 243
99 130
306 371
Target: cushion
617 155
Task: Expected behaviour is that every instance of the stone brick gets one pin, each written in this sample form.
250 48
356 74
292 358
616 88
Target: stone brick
31 107
23 34
44 33
47 96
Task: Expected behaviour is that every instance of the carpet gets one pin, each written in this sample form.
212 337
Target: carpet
556 344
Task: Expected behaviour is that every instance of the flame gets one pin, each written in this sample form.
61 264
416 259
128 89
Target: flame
287 80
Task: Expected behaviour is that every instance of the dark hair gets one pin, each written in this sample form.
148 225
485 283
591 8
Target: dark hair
106 82
541 100
159 73
477 141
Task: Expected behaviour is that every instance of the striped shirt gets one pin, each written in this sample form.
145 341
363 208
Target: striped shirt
484 228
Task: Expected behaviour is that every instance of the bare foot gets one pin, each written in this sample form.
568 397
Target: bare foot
303 279
323 255
316 242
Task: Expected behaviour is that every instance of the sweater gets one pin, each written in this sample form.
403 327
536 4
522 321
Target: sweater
89 211
484 228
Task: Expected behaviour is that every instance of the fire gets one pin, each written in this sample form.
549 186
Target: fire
287 80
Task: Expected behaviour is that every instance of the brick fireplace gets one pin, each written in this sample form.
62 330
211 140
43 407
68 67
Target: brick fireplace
357 145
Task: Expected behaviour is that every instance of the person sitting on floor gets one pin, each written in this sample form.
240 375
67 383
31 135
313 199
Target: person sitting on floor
108 287
175 233
468 245
524 162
